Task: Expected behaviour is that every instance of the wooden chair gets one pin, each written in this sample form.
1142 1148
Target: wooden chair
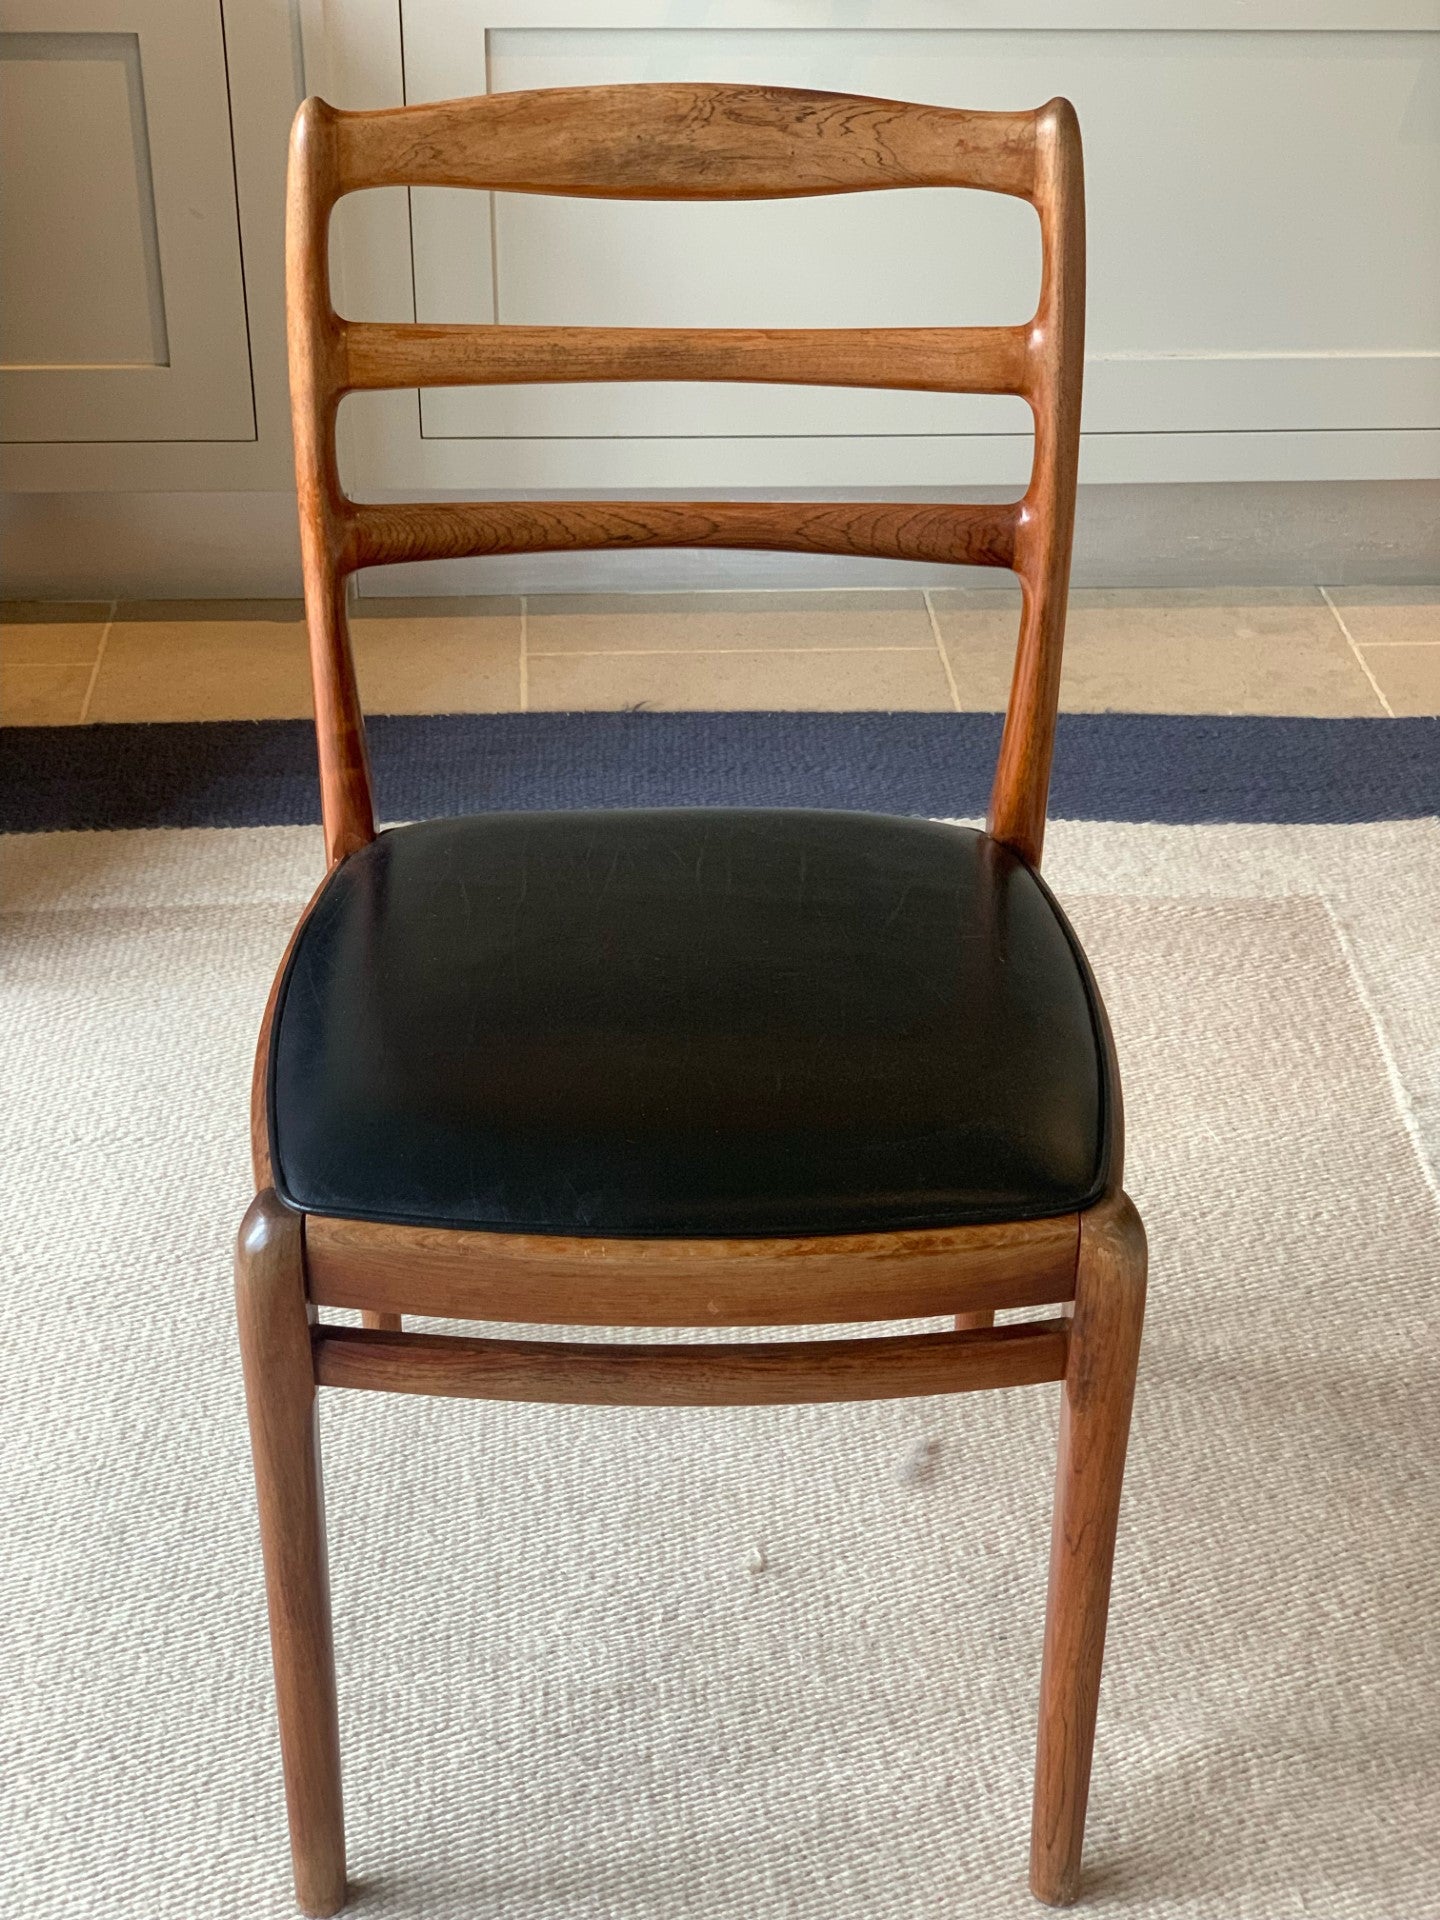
689 1068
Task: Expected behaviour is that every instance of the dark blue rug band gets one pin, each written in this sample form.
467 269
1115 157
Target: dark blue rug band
1108 766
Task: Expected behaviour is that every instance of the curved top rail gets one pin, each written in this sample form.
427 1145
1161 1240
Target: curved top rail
687 141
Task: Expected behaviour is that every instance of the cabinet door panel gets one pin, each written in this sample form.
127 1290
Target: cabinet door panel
853 261
122 315
1263 212
1264 200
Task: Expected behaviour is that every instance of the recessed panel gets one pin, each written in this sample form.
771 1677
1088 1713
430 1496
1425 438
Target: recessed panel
860 260
81 285
1263 210
122 297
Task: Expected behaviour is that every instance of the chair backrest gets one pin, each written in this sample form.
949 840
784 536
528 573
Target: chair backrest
689 142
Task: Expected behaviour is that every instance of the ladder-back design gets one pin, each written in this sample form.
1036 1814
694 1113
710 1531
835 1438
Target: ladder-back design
690 142
880 1085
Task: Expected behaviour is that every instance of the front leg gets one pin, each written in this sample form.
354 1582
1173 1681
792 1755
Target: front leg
274 1319
1097 1392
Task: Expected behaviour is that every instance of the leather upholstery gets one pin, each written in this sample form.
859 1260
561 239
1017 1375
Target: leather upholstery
687 1023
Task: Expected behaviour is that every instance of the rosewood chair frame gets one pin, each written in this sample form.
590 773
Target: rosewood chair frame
686 143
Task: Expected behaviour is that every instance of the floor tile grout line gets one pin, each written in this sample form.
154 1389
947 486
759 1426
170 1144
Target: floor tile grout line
525 653
940 649
699 593
1363 663
1402 643
697 653
95 669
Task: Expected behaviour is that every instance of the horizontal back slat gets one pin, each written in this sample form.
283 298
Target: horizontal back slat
684 142
975 536
931 359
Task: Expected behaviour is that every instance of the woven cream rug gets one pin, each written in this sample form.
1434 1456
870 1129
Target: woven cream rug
734 1664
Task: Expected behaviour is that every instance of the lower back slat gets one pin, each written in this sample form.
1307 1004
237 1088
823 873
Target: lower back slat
962 535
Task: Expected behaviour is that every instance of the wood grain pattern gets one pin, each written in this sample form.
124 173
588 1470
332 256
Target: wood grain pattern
1047 512
274 1324
549 1280
776 1373
976 536
313 335
687 141
1094 1427
918 359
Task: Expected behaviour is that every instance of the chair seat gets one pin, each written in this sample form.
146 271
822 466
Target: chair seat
687 1023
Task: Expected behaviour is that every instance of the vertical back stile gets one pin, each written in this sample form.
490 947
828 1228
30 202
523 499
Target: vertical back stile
1047 513
316 385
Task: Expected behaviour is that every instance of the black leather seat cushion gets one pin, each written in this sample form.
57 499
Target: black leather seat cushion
687 1023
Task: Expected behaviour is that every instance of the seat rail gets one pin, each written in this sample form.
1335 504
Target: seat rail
772 1373
555 1280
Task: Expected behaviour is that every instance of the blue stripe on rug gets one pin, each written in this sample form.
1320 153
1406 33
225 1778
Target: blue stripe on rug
1174 768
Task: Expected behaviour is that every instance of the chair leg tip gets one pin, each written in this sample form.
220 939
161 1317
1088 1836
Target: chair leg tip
1055 1890
319 1903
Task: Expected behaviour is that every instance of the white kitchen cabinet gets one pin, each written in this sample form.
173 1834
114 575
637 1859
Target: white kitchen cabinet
1264 195
122 308
142 315
1264 294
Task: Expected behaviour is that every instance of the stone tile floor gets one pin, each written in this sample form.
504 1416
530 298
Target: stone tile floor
1329 651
